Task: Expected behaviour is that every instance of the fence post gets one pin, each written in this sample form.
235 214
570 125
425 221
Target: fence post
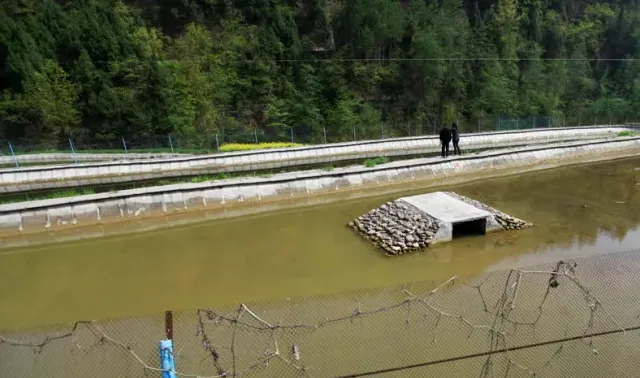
73 151
354 132
324 132
168 324
609 119
255 135
291 129
15 159
217 144
171 145
549 121
381 130
596 120
125 146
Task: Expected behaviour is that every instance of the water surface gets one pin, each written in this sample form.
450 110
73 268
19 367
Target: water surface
578 211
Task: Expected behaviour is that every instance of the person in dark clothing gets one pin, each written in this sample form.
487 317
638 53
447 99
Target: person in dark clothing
445 138
455 137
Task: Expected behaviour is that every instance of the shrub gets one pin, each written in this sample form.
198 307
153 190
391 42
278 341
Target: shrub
231 147
369 163
626 133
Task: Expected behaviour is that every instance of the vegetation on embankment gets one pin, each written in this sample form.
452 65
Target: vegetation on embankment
72 192
241 71
233 147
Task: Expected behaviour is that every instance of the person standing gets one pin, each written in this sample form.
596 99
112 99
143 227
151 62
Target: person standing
455 137
445 138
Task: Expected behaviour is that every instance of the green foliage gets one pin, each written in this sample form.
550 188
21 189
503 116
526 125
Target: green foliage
97 71
370 163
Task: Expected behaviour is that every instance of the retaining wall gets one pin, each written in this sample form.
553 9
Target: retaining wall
47 215
46 158
39 178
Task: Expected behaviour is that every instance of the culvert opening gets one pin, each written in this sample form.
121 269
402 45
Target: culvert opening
470 228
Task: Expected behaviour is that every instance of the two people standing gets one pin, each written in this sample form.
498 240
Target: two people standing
446 136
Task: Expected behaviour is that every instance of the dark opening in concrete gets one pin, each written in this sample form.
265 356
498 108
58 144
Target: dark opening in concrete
474 227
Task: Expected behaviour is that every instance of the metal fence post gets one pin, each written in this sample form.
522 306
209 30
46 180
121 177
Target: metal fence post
73 151
171 145
291 129
15 159
324 132
354 132
124 144
255 135
217 144
381 130
168 324
596 119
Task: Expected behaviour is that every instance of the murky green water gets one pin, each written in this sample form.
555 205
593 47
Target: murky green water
578 211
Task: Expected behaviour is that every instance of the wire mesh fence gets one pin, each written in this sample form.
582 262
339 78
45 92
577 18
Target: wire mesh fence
226 139
521 123
568 318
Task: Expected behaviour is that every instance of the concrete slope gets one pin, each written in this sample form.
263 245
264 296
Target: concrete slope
221 198
77 175
48 158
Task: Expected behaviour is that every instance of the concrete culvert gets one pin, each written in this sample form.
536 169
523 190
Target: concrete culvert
409 224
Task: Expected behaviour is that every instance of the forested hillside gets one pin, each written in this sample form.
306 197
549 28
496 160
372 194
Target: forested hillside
97 70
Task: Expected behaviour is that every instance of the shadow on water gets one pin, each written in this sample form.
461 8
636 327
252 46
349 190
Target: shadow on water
578 211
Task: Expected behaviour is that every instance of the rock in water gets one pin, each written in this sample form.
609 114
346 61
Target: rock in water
399 228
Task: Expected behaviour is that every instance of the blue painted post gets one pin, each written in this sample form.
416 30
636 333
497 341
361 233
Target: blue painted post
167 363
125 146
171 145
15 159
73 151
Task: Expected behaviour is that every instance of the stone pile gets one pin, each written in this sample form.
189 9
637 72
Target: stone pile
396 228
506 221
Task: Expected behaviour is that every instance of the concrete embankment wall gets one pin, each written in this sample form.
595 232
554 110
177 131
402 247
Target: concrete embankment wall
46 158
47 215
39 178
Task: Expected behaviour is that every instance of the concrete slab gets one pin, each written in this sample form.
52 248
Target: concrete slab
445 208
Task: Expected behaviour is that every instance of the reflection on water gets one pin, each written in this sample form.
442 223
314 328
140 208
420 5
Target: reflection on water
577 211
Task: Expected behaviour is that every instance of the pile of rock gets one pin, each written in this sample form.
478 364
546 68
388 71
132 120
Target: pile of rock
506 221
511 223
396 228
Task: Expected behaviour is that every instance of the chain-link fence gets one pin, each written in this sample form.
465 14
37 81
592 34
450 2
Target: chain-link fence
521 123
224 139
563 319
